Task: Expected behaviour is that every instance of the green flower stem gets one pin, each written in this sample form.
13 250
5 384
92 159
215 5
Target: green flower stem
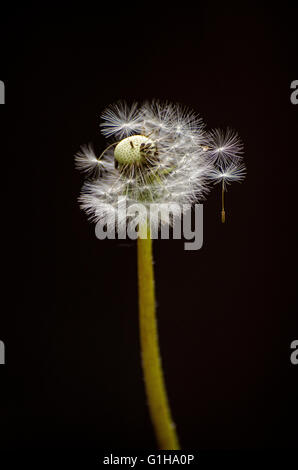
153 376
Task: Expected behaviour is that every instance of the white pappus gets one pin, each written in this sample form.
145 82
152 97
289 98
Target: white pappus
224 146
159 153
228 173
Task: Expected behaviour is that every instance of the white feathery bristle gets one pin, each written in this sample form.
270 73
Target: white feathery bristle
224 145
87 162
120 120
228 173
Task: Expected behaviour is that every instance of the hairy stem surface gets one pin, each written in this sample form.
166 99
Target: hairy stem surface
153 376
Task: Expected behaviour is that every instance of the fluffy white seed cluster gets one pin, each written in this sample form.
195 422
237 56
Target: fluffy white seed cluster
160 153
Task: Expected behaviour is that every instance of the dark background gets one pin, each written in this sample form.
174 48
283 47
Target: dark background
226 313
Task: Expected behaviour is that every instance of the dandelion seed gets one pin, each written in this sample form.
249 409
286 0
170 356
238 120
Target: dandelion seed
224 146
227 174
87 162
120 120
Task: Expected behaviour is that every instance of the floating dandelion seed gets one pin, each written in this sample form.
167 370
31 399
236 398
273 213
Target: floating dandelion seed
159 153
226 174
224 146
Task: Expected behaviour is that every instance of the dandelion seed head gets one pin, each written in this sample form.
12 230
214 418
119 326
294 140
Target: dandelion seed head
160 153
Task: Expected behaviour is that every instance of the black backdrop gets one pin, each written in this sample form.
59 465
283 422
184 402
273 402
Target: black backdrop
226 313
